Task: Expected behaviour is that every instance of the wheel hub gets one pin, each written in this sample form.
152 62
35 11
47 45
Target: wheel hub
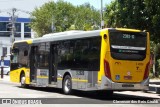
67 85
23 80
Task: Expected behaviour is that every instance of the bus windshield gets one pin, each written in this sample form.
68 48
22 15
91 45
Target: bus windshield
14 58
128 45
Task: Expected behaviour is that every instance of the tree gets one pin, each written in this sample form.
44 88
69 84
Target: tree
41 18
126 13
111 14
60 16
86 16
153 10
52 17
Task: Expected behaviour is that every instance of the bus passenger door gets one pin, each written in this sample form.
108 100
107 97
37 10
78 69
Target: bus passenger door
53 63
33 63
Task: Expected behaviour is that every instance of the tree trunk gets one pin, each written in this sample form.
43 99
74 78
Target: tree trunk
154 61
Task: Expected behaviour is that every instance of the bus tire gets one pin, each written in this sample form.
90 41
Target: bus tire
67 85
23 84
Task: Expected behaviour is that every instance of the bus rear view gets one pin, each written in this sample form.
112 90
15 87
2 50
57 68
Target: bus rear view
125 60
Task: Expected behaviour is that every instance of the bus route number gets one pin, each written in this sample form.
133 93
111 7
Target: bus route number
128 36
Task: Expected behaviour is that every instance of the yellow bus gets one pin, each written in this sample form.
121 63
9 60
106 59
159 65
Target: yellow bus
110 59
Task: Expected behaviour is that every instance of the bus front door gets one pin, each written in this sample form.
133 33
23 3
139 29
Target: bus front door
33 64
53 63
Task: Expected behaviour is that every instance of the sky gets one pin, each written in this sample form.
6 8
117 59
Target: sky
29 5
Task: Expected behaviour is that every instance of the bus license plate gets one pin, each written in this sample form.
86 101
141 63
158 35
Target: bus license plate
127 85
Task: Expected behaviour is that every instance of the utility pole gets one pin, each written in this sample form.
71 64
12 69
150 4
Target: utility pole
2 65
52 26
102 21
13 20
11 25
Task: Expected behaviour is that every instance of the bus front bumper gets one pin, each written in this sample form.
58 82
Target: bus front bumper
108 84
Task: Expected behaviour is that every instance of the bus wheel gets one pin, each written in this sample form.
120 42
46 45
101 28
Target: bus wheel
67 84
23 84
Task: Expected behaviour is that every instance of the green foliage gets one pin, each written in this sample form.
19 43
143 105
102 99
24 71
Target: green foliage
63 16
41 20
152 46
126 13
86 16
111 14
153 9
137 14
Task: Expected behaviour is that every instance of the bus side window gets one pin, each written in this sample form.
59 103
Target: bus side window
25 53
12 57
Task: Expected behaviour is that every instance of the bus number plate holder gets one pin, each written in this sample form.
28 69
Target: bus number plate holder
127 85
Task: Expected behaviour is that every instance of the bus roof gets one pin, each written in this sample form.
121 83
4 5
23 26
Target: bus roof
63 33
28 41
67 35
125 29
73 34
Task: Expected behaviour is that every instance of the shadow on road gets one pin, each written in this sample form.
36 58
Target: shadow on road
115 96
93 94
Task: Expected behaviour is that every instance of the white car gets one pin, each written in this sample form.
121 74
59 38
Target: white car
6 70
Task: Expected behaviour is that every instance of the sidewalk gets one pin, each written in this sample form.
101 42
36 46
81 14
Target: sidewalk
5 78
154 85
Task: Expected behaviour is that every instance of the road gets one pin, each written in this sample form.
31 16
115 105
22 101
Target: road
55 96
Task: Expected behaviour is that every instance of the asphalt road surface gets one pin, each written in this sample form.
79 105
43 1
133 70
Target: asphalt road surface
14 92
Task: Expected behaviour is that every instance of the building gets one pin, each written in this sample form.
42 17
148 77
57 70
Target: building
23 31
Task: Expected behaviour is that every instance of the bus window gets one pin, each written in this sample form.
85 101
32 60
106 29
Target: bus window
43 55
25 53
15 58
42 60
128 45
83 54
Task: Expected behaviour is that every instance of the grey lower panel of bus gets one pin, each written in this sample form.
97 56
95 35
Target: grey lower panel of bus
108 84
42 77
81 80
87 80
